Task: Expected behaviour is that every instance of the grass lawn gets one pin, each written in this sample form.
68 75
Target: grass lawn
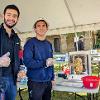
59 96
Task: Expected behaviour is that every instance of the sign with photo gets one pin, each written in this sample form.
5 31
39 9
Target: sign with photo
60 58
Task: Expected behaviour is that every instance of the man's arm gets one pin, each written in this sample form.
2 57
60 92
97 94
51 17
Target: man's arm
28 57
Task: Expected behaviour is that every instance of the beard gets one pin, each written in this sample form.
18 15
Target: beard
9 26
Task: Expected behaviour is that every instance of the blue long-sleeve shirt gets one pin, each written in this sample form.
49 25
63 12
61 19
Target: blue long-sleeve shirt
35 54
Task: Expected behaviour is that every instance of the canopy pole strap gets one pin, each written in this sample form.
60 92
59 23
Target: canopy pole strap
72 19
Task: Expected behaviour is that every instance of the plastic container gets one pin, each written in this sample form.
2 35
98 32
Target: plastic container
90 81
23 80
67 71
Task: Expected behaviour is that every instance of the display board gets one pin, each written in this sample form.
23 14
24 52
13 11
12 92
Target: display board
95 61
60 61
80 64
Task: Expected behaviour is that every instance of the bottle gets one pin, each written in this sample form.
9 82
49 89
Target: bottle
24 79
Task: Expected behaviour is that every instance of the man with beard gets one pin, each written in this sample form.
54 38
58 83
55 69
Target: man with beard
9 48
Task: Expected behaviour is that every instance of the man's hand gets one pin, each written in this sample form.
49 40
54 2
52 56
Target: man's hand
53 83
49 62
5 60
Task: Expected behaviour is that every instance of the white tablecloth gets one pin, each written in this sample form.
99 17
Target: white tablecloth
72 86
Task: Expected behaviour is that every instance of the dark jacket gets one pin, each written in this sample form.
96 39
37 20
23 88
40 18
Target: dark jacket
16 48
35 54
80 45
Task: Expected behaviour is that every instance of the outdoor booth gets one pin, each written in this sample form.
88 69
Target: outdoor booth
71 68
77 77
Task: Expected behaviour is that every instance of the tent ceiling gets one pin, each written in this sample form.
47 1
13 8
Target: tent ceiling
55 12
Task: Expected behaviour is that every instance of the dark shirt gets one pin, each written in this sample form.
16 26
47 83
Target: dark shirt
80 45
11 45
8 46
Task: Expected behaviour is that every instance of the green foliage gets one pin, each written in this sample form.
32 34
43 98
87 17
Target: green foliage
97 45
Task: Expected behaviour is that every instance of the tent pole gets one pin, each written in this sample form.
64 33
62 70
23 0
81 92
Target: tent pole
72 19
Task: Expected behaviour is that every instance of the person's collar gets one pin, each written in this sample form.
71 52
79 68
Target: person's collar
12 31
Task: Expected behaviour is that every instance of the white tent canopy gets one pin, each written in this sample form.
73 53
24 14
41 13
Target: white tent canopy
85 14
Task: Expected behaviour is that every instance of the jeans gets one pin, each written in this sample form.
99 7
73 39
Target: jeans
2 96
11 90
39 90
